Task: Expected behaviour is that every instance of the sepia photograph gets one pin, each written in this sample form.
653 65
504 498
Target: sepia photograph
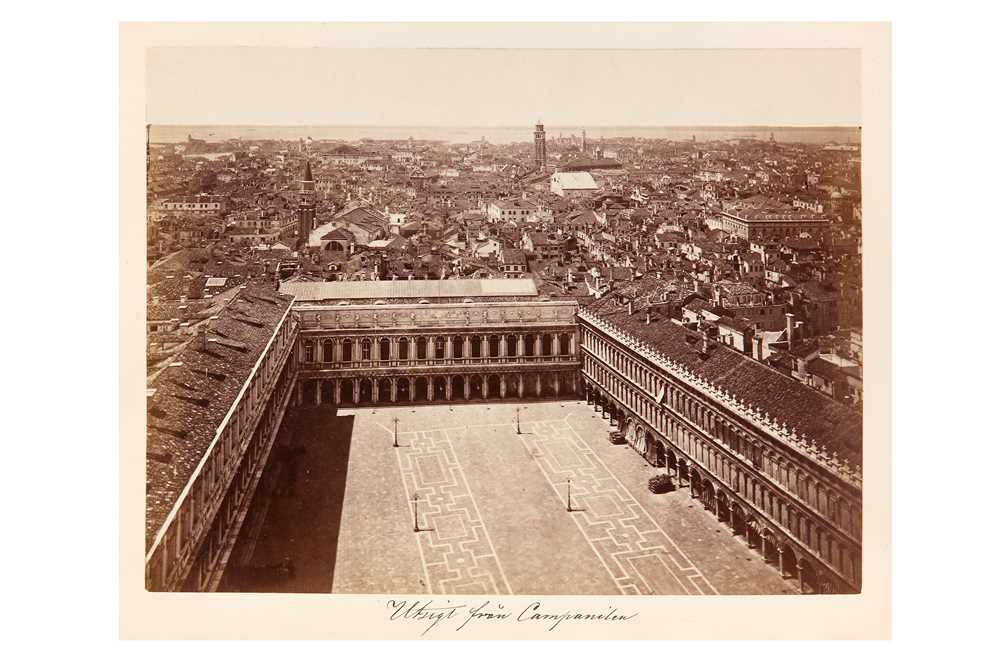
499 333
469 330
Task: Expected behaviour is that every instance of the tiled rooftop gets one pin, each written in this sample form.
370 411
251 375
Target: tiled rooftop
811 413
191 399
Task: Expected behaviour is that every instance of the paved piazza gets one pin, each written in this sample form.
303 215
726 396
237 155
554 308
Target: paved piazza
491 509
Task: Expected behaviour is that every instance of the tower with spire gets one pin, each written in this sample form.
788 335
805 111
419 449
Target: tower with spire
307 207
539 146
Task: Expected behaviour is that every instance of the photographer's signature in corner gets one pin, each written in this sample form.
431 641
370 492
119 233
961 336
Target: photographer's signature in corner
435 614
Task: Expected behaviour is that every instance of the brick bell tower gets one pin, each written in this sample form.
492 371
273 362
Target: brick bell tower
539 146
307 207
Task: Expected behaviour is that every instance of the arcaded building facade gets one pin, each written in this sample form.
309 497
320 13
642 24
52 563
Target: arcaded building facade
425 341
775 461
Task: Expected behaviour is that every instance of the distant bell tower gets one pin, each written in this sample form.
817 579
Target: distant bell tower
539 146
307 207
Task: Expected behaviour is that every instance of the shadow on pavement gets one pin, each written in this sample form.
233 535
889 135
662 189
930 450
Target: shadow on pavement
297 535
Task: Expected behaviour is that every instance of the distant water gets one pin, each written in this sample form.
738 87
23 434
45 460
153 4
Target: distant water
497 135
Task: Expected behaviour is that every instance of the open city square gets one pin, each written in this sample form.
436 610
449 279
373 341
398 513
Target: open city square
451 499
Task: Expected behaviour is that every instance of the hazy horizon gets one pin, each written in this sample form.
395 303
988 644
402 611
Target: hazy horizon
500 134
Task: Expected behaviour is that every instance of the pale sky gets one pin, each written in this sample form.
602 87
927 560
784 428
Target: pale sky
480 87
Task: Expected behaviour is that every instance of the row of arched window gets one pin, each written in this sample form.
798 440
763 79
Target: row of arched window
436 347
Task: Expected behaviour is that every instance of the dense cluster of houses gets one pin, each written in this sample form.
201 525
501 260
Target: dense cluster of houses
756 242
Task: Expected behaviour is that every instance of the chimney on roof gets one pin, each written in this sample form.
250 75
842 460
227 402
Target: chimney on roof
717 295
789 328
704 342
630 308
649 317
758 348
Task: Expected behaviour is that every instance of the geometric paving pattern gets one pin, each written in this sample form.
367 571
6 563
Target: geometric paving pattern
455 548
637 553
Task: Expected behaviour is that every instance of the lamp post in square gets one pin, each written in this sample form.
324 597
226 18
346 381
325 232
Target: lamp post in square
416 526
395 432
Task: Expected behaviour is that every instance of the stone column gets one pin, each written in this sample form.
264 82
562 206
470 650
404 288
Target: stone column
394 388
538 383
520 345
447 388
503 386
781 562
430 389
466 384
538 345
485 386
798 570
319 392
555 383
357 390
520 386
572 344
503 346
336 391
467 346
375 390
298 394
